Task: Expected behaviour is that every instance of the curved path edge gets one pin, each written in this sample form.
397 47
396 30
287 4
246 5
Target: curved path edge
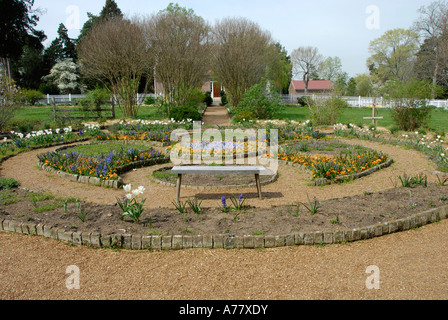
180 242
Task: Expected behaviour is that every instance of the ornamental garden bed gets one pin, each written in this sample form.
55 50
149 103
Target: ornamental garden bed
401 205
99 164
373 211
331 161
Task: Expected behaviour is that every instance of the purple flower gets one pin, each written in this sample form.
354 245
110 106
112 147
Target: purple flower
224 202
240 199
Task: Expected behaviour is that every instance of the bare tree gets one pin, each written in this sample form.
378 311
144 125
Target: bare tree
432 25
305 61
240 55
114 52
179 41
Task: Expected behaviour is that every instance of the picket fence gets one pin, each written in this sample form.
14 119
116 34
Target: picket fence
366 102
355 102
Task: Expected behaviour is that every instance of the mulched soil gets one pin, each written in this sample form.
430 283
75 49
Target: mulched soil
332 215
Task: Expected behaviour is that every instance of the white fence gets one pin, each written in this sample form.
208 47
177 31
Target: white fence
366 102
355 102
71 98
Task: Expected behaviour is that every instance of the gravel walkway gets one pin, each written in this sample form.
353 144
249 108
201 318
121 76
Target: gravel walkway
216 115
413 265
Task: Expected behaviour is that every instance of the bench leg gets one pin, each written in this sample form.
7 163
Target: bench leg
179 184
257 180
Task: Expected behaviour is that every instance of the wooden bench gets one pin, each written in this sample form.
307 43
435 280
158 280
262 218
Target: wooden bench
207 170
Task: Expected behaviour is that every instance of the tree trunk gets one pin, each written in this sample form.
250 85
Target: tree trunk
306 81
435 76
6 67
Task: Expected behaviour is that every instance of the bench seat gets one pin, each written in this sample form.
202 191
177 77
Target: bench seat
219 170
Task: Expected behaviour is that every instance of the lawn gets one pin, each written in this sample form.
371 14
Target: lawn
44 115
439 117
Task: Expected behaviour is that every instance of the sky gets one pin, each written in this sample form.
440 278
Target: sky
338 28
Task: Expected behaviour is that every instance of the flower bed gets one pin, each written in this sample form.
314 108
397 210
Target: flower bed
37 139
433 147
162 136
328 167
104 166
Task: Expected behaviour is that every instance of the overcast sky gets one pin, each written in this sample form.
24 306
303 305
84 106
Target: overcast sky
342 28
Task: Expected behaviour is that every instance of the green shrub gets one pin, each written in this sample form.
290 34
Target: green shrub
326 111
224 100
410 115
244 116
262 101
150 101
94 100
31 97
184 113
195 98
47 88
208 100
8 183
302 101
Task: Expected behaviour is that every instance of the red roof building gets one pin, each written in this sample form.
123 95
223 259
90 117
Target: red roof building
314 87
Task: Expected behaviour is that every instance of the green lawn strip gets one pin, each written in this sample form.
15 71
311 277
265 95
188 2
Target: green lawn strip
91 150
44 114
438 121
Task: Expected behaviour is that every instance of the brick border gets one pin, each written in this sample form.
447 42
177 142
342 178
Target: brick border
224 241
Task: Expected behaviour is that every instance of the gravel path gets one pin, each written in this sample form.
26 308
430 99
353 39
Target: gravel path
412 264
216 115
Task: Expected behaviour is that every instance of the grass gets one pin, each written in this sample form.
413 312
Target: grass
439 117
165 175
8 197
44 114
8 183
91 150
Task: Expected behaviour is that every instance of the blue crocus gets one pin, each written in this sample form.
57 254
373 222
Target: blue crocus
240 199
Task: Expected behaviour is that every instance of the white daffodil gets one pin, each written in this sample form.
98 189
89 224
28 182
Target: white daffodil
127 188
129 196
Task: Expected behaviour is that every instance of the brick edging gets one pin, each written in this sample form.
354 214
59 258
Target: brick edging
221 241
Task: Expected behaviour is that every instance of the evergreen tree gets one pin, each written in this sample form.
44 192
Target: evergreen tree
30 68
17 29
61 48
109 11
